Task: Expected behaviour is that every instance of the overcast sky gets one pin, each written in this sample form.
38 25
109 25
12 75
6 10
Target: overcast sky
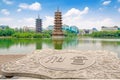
82 13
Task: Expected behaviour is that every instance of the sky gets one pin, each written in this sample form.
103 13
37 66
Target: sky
85 14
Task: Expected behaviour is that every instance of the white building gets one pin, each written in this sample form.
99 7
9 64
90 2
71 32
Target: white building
88 31
114 28
25 28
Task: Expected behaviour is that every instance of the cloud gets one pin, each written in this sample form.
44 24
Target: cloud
30 22
101 9
5 12
34 6
19 10
97 23
74 16
76 12
24 6
119 10
9 2
49 20
105 3
6 21
77 17
29 19
71 17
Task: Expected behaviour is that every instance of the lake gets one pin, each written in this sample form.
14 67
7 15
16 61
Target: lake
27 46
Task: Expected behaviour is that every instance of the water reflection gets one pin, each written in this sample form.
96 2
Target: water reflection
6 43
110 43
70 42
29 45
58 43
38 45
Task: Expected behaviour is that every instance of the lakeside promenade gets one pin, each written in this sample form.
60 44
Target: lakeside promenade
65 64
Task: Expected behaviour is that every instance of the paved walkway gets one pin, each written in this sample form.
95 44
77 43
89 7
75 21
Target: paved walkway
47 64
6 58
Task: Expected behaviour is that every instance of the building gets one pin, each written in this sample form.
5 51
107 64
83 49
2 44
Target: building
50 27
38 24
57 32
25 28
114 28
65 27
88 31
74 29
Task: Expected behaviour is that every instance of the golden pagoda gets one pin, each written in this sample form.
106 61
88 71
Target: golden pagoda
58 25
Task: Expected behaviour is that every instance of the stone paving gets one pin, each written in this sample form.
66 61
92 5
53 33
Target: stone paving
65 64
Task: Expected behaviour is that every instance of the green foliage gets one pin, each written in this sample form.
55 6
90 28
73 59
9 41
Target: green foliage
47 32
86 35
69 34
6 32
37 35
22 35
106 34
30 35
46 35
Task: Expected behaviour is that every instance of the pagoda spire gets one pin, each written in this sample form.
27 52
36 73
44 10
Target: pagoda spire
58 9
38 16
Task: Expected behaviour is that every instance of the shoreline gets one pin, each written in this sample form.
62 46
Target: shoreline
10 37
3 37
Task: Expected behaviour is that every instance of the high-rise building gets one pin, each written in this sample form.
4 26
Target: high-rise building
38 24
58 25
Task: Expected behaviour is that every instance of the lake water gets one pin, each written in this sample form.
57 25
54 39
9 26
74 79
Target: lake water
27 46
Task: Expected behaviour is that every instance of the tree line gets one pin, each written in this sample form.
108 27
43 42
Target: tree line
48 33
105 34
30 34
7 31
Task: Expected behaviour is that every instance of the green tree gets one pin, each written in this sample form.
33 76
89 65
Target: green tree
7 31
